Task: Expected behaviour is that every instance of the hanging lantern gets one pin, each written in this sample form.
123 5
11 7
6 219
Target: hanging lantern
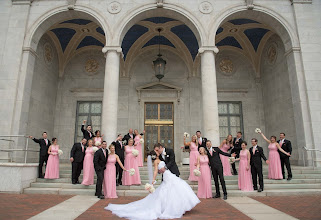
159 64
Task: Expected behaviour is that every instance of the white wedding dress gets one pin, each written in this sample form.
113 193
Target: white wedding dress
170 200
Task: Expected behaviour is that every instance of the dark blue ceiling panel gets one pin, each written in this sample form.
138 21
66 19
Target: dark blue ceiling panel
77 21
220 30
131 36
188 37
242 21
255 35
229 41
64 35
89 41
159 40
100 30
159 20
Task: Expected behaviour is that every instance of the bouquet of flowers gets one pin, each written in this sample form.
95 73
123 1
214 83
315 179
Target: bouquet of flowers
141 141
257 130
60 152
124 142
135 152
95 149
186 135
231 160
150 188
98 143
197 172
131 171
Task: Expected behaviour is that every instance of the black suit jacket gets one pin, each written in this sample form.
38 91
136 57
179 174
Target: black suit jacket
287 147
76 152
43 146
203 143
256 158
127 137
119 150
100 160
214 159
170 161
86 133
237 146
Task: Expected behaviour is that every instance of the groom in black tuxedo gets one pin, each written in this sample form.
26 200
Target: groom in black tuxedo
213 154
88 134
44 144
168 156
285 159
200 140
100 160
77 155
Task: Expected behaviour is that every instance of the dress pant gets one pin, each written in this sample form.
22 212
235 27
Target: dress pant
217 172
42 160
76 171
256 170
99 184
233 164
119 171
286 161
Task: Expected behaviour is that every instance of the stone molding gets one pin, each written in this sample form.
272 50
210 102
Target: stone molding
301 2
292 50
22 2
30 50
208 48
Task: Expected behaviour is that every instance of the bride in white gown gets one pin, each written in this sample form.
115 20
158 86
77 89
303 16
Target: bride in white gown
170 200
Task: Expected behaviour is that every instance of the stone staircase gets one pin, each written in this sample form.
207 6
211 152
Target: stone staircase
306 180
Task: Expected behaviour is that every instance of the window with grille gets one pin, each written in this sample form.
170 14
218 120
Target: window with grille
90 111
230 118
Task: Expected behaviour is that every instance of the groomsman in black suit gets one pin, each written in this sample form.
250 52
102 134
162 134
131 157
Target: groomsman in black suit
44 144
88 134
237 142
77 155
285 160
257 155
201 140
213 154
168 156
100 160
120 151
130 135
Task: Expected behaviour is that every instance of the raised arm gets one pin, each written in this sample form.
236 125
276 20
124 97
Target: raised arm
223 153
186 144
283 151
35 139
267 140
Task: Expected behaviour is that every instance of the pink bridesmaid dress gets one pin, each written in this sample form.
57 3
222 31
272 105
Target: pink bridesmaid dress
225 161
139 148
275 169
130 162
88 170
98 139
52 168
110 178
245 177
192 161
204 181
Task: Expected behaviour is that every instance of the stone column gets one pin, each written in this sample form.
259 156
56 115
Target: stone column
110 99
209 94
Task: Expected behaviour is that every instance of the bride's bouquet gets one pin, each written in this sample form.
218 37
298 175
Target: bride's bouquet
135 152
257 130
131 171
197 172
98 143
186 135
150 188
60 152
95 149
141 141
231 160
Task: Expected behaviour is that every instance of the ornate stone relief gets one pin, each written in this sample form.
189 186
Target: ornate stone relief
249 4
91 66
48 53
226 66
206 7
114 7
272 53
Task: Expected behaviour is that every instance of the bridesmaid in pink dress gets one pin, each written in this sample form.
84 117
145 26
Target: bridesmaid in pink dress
98 139
225 146
275 169
109 184
193 155
138 147
204 181
88 170
245 176
52 167
131 162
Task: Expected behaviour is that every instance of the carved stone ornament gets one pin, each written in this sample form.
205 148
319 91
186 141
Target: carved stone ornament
272 53
206 7
91 66
47 53
114 7
226 66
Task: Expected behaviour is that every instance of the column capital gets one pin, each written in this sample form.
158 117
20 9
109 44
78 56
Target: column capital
208 48
112 48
